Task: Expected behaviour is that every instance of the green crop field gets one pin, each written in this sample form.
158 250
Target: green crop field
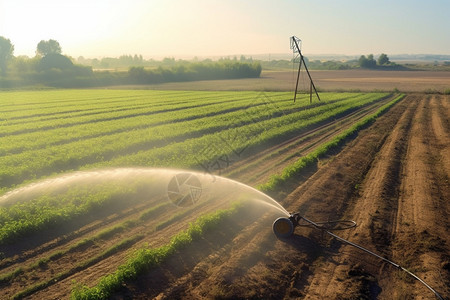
52 132
46 135
48 132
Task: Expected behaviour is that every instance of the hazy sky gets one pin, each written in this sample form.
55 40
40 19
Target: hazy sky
180 28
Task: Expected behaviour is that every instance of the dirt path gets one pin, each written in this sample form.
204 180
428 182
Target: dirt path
374 208
393 180
401 214
422 225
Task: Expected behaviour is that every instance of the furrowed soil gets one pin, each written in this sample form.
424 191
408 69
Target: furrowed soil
392 179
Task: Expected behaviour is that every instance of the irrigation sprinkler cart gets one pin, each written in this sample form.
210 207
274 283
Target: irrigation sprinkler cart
284 227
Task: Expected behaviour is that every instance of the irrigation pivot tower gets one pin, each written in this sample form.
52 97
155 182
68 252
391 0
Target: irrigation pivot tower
295 46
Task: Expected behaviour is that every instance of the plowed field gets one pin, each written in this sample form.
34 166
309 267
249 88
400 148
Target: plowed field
392 179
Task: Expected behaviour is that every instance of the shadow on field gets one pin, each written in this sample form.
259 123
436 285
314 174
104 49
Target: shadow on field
318 247
59 234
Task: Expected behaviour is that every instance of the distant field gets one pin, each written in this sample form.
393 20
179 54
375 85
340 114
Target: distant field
345 80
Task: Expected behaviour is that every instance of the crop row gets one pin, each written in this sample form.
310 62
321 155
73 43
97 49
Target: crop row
128 108
78 150
145 258
44 212
31 160
30 104
277 180
94 122
110 124
250 129
95 113
155 209
16 220
97 237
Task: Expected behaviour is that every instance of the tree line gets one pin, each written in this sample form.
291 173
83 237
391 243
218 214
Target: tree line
195 71
51 68
370 63
365 62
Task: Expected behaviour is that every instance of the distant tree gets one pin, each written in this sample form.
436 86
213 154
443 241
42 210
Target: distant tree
6 53
371 61
55 61
168 61
48 47
138 60
367 62
362 61
383 59
22 64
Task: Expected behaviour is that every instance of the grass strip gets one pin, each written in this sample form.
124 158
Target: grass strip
145 258
278 180
9 276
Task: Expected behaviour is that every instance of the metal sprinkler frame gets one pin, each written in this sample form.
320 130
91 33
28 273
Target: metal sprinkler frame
295 46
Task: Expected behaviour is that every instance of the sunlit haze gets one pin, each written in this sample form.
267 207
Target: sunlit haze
186 28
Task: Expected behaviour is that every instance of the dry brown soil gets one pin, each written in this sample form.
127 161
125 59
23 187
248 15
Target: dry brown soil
392 179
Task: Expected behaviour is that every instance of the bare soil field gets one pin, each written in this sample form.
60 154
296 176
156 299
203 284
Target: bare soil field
392 179
342 80
371 80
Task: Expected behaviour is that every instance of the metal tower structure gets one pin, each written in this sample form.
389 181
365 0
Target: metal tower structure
295 46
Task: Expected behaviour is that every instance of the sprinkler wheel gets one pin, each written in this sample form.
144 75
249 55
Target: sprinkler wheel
283 227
